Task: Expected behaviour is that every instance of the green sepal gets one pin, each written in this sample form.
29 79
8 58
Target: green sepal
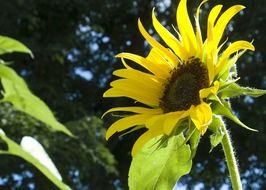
9 45
229 71
225 110
218 134
234 90
16 150
156 168
224 84
18 94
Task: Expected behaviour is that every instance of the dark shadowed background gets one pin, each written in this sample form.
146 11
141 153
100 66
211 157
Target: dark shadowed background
74 43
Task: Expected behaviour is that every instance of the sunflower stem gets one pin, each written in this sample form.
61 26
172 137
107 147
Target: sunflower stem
231 160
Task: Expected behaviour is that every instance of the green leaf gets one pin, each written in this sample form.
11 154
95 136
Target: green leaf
16 150
234 90
225 110
9 45
194 142
218 134
160 168
17 93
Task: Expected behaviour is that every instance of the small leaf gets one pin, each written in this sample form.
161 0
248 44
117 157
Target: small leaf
216 139
218 134
234 90
215 124
17 93
16 150
160 168
9 45
225 110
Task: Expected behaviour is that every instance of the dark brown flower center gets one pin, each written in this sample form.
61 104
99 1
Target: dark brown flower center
182 89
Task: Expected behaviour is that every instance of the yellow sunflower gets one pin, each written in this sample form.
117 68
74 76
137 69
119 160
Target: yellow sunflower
179 79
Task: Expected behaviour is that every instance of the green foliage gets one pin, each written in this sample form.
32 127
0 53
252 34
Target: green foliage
226 111
16 150
9 45
234 90
218 134
194 142
17 93
156 168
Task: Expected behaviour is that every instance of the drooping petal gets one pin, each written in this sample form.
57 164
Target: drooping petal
186 29
145 137
163 51
201 115
155 121
233 48
169 39
166 120
205 92
172 119
126 123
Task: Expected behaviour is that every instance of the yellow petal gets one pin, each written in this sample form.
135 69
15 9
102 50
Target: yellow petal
139 110
211 20
172 119
169 39
134 74
155 121
144 138
210 50
160 70
198 30
140 96
234 47
137 84
211 59
130 73
201 115
199 7
159 61
163 51
186 29
223 21
126 123
204 93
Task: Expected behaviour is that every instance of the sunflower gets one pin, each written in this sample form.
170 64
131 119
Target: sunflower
178 82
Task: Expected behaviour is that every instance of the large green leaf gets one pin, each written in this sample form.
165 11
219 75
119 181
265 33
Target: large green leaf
16 150
234 90
17 93
9 45
156 168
